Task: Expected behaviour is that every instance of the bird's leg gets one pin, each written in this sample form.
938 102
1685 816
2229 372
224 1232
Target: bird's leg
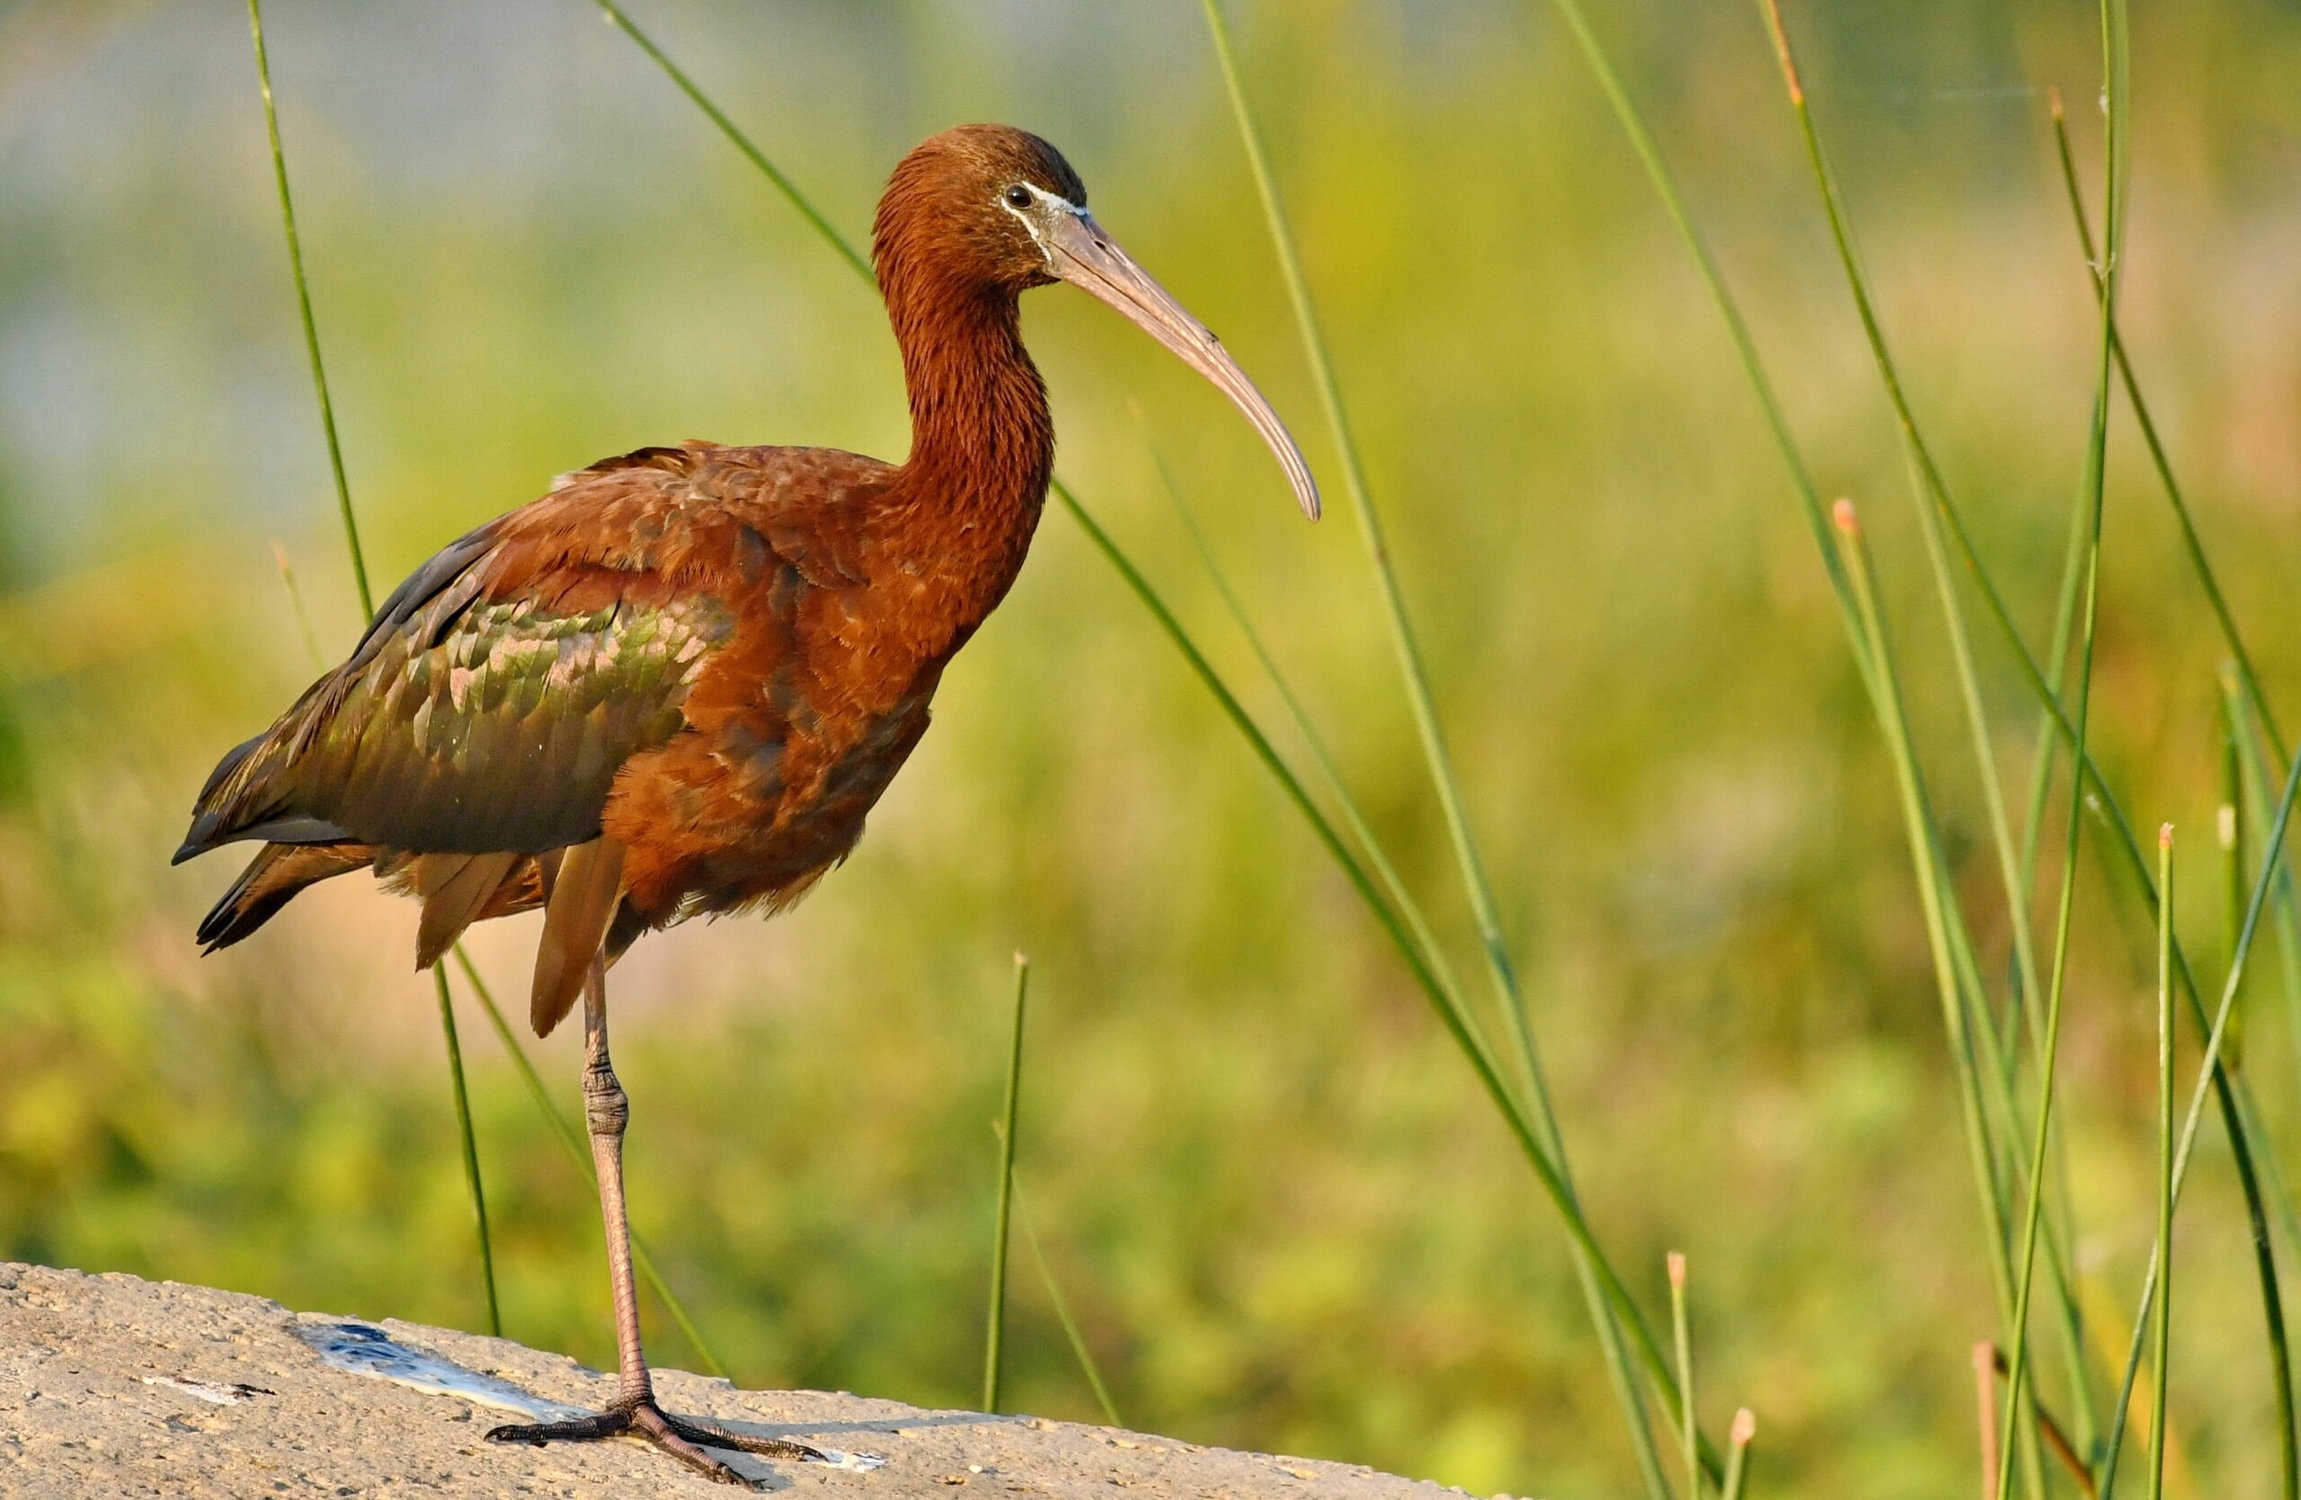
606 1110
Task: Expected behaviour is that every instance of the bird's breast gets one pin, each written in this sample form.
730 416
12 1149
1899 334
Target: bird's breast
794 736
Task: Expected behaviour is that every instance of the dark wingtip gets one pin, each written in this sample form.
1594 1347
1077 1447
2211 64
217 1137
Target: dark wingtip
258 895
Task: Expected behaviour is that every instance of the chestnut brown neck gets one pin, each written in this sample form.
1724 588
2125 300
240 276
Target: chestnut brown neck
982 439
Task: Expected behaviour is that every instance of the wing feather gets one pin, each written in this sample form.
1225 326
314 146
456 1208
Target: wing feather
487 710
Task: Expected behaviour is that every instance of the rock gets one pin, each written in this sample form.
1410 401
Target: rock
115 1386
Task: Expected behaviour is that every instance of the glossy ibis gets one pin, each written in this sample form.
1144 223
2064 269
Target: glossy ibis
675 685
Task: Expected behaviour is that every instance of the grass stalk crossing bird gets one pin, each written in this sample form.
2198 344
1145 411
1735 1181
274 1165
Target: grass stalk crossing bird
676 684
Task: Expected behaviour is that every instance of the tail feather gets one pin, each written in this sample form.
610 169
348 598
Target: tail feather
585 894
270 882
456 889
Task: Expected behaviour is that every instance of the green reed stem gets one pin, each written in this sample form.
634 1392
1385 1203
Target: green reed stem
470 1151
1458 1022
994 1344
2255 782
360 580
304 308
1933 890
1944 933
571 1138
1738 1465
2056 660
2251 800
1682 1341
2192 544
1649 155
2210 1068
1414 675
1921 468
1402 639
2248 678
702 101
1079 1349
2114 65
1329 775
296 603
2240 1117
2229 814
2164 1310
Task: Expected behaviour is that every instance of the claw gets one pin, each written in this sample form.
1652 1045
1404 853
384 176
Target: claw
697 1430
681 1437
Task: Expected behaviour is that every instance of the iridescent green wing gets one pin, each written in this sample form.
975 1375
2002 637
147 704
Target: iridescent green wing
506 732
468 723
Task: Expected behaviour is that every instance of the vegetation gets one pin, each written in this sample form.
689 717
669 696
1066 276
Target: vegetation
1726 839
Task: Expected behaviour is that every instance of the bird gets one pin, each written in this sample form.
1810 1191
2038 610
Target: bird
676 684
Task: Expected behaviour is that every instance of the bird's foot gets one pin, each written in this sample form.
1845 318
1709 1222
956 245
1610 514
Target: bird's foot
684 1438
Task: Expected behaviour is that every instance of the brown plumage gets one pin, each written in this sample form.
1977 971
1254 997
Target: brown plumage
677 683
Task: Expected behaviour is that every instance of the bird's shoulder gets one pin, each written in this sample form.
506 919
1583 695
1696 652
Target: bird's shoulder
701 515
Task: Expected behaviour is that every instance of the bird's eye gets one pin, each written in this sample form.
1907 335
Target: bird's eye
1018 196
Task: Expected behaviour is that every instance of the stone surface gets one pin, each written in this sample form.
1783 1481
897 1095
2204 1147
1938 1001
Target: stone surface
114 1386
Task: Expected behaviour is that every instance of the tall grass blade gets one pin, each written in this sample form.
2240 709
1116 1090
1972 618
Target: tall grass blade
1954 959
1924 479
2193 546
2240 1114
2057 1438
360 580
1329 775
2229 815
2240 1117
2056 659
571 1138
2209 1069
1933 890
1402 639
1985 1403
304 309
1458 1022
1079 1349
1682 1338
470 1150
2164 1309
1649 155
2096 467
2069 1323
2254 783
856 260
2247 677
296 603
1743 1432
994 1345
1485 913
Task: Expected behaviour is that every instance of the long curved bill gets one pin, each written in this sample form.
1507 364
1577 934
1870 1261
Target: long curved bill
1080 253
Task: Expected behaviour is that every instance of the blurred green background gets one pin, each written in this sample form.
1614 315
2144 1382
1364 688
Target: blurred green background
1283 1213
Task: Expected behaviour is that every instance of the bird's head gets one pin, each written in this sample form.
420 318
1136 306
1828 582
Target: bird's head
991 211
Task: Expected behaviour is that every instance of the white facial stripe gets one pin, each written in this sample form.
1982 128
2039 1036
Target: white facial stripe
1042 200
